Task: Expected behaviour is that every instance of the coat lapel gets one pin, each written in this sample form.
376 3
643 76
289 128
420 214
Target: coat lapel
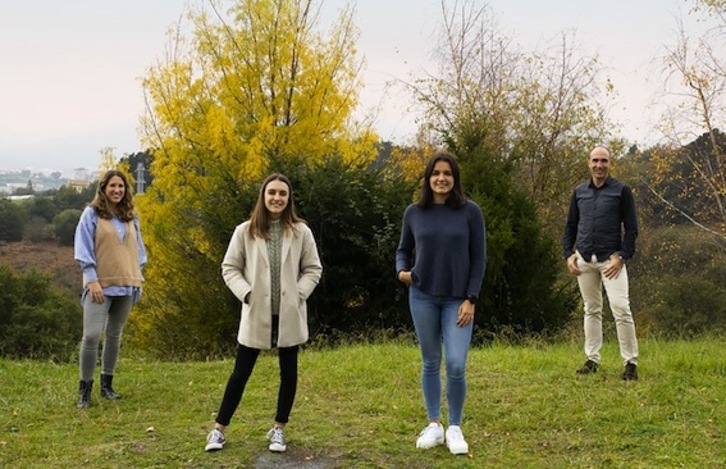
286 243
261 244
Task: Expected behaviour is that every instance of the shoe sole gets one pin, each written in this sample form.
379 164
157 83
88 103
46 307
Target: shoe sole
459 451
429 445
214 447
275 448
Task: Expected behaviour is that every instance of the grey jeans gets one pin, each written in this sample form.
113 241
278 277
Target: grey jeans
110 315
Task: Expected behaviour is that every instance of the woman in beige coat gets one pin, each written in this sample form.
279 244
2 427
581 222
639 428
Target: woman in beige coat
272 266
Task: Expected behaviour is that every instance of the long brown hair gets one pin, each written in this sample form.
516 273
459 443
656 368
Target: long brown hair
260 218
125 210
456 197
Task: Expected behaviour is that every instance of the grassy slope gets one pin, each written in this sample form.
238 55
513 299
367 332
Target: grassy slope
360 406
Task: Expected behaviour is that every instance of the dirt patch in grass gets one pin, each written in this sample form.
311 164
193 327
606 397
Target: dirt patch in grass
48 257
294 459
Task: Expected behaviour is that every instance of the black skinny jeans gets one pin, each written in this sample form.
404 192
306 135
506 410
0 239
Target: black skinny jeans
243 366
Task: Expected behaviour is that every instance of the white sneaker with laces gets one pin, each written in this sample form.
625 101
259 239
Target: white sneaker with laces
277 440
455 440
432 435
215 440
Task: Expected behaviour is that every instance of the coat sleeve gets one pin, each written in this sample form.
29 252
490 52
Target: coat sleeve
233 264
311 268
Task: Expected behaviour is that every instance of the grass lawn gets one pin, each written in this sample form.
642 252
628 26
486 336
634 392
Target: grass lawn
361 406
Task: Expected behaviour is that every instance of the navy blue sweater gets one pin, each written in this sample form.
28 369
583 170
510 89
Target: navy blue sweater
444 248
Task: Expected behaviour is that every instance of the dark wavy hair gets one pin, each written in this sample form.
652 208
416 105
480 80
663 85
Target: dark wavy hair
125 210
456 197
260 218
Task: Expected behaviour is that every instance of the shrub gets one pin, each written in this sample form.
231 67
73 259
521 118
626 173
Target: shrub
690 306
678 285
64 226
37 320
42 207
12 221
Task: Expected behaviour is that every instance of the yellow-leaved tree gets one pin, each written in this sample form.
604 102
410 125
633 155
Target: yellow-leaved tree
255 85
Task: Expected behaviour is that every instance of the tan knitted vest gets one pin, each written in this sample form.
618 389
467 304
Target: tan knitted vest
117 262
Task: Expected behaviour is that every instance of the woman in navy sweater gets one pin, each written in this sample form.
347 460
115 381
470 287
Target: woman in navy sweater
441 258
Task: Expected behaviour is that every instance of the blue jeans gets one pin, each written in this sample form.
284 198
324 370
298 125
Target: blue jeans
434 318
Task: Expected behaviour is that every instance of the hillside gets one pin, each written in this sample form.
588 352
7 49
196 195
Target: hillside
47 257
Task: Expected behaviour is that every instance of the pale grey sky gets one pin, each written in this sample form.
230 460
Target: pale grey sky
71 69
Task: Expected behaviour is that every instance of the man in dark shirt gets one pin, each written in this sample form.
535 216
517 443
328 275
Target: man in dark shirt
596 250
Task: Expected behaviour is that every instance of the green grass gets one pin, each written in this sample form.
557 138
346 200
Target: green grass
361 406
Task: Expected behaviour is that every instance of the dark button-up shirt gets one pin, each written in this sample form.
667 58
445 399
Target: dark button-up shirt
597 218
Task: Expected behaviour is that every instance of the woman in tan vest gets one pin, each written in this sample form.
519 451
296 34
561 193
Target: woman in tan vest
111 253
272 266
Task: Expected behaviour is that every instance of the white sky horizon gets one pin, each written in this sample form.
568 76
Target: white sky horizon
71 77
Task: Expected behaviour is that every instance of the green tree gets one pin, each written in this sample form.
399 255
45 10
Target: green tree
64 226
37 320
67 197
12 221
42 207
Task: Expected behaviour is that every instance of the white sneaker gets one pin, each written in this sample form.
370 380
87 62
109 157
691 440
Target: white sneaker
215 441
455 440
277 440
432 435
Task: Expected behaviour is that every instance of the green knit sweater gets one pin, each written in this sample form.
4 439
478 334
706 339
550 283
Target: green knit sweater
274 248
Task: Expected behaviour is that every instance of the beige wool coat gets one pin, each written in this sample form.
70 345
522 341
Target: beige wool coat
246 269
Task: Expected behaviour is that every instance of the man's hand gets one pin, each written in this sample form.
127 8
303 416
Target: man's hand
572 265
616 265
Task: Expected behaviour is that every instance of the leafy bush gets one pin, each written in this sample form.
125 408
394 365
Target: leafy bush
678 285
355 213
41 207
64 225
521 293
37 320
68 197
690 306
12 221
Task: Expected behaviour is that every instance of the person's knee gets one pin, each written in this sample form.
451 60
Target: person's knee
456 369
622 314
592 310
91 340
432 365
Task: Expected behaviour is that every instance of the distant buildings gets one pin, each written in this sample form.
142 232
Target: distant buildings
11 181
79 185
